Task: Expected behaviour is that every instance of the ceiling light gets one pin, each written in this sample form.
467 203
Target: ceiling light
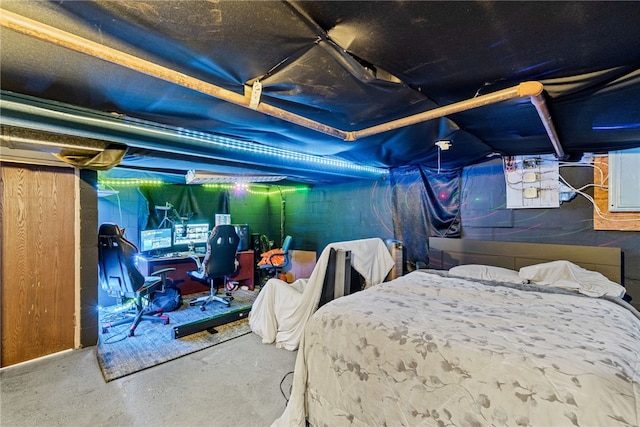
203 177
443 144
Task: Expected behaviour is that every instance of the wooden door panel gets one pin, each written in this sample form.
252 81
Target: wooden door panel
38 267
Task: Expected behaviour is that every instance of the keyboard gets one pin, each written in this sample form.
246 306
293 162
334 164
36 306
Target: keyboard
176 255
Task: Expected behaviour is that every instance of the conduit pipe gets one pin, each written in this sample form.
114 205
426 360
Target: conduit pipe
62 38
532 90
23 25
545 117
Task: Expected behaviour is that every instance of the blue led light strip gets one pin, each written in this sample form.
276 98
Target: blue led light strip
33 113
256 148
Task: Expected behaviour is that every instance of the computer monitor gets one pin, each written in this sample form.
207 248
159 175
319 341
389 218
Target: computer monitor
156 239
185 234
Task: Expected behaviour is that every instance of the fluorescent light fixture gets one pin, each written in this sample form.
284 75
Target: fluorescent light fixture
106 193
203 177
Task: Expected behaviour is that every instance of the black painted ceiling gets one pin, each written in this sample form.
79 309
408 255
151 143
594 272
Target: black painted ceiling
344 65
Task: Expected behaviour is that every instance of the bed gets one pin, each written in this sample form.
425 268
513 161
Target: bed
434 348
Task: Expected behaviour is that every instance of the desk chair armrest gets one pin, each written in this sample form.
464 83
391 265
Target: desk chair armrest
150 282
163 271
162 275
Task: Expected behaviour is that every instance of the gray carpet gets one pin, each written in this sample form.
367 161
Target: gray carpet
120 355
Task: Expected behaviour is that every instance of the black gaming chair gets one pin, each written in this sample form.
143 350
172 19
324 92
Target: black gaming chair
120 277
219 262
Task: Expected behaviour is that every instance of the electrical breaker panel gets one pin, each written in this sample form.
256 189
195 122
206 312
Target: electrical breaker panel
532 181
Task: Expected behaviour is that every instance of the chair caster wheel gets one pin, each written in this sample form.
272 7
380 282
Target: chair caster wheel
203 308
192 304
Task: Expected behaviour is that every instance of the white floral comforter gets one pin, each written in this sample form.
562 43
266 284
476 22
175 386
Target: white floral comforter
431 350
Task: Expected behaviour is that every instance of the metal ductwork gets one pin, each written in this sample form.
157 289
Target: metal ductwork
74 123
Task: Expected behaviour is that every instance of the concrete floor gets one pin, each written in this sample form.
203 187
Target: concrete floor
236 383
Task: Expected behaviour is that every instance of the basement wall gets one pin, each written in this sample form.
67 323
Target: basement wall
485 217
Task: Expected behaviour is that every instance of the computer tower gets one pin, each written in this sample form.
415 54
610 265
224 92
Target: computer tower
255 243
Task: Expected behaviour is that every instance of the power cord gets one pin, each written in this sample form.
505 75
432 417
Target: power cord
290 387
593 202
121 333
116 333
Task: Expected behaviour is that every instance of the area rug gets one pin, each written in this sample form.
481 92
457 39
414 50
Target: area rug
120 355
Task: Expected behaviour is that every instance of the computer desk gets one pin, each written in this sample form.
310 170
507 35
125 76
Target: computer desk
182 262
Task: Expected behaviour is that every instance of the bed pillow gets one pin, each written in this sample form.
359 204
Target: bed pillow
565 274
486 272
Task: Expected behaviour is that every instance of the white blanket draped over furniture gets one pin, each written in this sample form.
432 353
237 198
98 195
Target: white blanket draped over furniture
432 349
282 309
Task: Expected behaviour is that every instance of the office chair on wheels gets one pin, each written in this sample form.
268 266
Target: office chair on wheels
120 277
219 262
275 260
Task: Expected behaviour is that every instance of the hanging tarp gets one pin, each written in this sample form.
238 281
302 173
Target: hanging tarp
183 204
345 66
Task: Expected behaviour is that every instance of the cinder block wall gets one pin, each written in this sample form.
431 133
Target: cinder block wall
88 258
332 213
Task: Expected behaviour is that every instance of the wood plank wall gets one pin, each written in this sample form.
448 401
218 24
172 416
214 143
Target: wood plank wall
604 219
37 215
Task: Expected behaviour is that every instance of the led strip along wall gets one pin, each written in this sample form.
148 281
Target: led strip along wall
109 184
31 113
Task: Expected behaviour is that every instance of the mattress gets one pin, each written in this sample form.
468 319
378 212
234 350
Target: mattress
432 349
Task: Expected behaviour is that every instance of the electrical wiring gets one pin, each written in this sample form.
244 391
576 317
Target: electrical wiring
509 163
116 333
509 166
592 185
593 202
516 175
290 387
119 332
603 178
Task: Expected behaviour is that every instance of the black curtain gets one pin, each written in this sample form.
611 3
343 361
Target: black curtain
195 203
426 203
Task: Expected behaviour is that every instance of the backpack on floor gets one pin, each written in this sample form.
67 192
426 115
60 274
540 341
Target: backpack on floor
168 300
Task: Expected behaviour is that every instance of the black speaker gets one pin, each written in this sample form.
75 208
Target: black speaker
255 243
